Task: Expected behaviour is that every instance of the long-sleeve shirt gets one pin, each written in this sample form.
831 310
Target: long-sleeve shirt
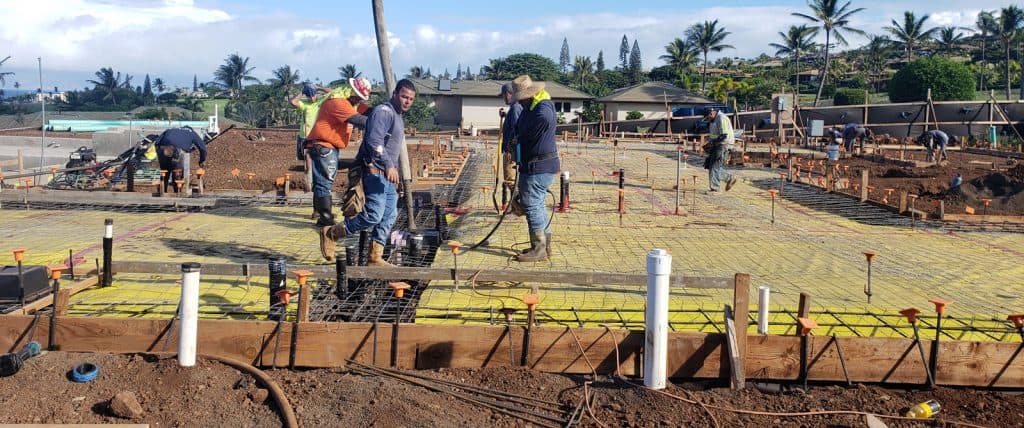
184 139
508 129
536 137
309 110
853 131
722 126
331 127
939 138
385 132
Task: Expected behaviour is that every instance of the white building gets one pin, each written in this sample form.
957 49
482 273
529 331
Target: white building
476 102
650 99
52 96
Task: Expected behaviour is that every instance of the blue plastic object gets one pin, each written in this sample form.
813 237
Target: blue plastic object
85 372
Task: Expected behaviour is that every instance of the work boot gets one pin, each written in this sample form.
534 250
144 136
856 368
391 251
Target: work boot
327 242
538 252
729 183
322 206
377 255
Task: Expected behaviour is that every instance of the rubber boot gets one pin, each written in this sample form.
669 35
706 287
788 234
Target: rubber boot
377 255
547 242
325 224
538 252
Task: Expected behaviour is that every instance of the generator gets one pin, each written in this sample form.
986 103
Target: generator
35 282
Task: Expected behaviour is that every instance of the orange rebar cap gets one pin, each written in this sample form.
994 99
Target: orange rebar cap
531 299
773 192
1018 320
806 325
399 288
869 255
940 305
301 275
19 254
911 314
454 246
235 172
56 270
200 172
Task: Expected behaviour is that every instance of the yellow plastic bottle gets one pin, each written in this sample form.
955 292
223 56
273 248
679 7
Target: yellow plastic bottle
924 410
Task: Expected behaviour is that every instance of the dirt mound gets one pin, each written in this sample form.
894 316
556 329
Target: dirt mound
906 172
1016 173
1005 189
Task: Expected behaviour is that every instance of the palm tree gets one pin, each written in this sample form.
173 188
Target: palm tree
797 39
680 55
1010 20
417 72
583 70
233 72
284 77
911 33
348 71
986 23
875 54
127 81
834 19
496 69
707 37
949 38
5 73
108 82
159 84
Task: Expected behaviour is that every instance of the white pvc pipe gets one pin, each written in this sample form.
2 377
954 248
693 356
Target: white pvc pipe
189 314
659 267
763 293
108 228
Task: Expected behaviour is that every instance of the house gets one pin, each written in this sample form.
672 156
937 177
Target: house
52 96
650 100
476 102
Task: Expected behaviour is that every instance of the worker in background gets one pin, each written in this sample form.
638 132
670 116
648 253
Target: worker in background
955 183
378 156
330 133
538 162
173 149
853 132
722 141
308 105
508 134
934 139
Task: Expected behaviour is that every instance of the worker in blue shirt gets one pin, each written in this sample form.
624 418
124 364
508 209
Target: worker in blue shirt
378 156
173 149
956 182
934 139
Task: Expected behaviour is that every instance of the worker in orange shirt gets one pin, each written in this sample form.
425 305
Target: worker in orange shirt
331 132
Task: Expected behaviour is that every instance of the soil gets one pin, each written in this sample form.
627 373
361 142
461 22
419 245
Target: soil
39 133
220 395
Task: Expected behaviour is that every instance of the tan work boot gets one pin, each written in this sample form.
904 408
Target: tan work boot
327 243
377 255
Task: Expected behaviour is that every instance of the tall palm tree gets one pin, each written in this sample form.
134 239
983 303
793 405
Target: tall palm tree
707 37
5 73
834 19
284 77
911 33
348 71
496 69
875 54
108 82
127 81
1010 20
233 72
987 25
798 38
583 70
417 72
949 39
159 85
680 55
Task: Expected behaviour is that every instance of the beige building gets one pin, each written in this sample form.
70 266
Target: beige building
476 102
652 99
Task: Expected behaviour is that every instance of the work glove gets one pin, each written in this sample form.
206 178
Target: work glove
510 170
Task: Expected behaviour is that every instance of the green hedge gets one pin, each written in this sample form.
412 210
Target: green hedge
948 80
848 96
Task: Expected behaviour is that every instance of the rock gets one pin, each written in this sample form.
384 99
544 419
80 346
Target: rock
125 405
884 398
981 406
258 395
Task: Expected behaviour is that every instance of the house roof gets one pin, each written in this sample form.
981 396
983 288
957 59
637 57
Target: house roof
489 88
654 92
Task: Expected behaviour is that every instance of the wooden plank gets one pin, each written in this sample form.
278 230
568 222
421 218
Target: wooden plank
102 198
305 293
985 218
61 307
741 305
436 274
47 300
736 375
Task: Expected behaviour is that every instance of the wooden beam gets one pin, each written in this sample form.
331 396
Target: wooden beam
434 274
47 300
1016 219
741 305
101 198
61 307
304 298
736 375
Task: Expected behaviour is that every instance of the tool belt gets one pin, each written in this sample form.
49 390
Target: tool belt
355 197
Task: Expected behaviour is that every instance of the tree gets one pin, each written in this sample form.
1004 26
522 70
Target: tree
538 67
680 55
468 75
600 61
159 84
458 72
911 33
949 39
848 97
799 38
446 75
348 71
875 54
563 56
1010 20
284 78
583 71
725 86
5 73
233 72
707 37
106 82
986 24
624 52
635 67
417 72
947 80
834 19
147 88
127 82
195 83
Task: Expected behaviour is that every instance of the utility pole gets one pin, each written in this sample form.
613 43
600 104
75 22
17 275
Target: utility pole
42 102
389 83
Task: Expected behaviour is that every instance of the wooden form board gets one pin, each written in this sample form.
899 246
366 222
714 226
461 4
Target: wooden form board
690 355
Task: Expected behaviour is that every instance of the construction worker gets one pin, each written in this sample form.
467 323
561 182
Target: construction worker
955 183
538 162
508 133
934 139
173 149
309 107
378 156
330 133
852 132
722 142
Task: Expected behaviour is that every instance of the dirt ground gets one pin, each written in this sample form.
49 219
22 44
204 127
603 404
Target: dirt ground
214 394
38 133
269 154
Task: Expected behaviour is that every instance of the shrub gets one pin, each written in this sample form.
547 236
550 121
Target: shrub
634 115
152 113
848 96
948 80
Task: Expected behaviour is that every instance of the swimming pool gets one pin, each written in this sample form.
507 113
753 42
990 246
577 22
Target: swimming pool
80 125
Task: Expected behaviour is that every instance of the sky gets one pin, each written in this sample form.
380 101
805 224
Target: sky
176 39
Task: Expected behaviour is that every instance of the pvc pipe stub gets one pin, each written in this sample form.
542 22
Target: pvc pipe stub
190 267
659 262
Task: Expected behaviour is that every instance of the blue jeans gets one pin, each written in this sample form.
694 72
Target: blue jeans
380 211
325 167
533 190
717 172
